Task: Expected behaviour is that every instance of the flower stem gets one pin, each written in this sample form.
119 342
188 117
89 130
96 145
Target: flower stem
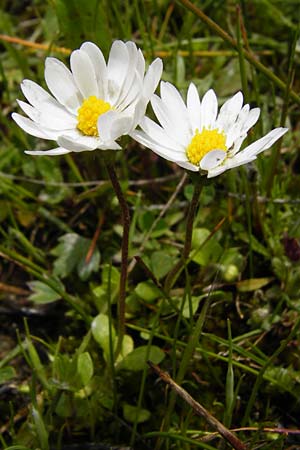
175 271
124 250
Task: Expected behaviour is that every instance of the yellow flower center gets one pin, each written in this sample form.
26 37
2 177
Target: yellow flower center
203 143
88 114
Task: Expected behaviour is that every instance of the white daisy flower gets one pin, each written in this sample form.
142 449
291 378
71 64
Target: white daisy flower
195 136
92 105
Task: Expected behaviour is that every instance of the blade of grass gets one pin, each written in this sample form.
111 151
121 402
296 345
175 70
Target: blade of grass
249 56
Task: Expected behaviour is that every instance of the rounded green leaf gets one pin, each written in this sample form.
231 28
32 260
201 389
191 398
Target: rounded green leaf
134 414
147 291
85 367
101 330
161 263
137 359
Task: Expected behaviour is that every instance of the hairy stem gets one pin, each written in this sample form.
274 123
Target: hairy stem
124 250
175 271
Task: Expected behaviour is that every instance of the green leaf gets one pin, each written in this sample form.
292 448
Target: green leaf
255 245
137 359
145 221
253 284
85 367
64 407
194 304
71 254
101 333
6 374
204 250
42 293
147 291
40 428
161 263
134 414
111 275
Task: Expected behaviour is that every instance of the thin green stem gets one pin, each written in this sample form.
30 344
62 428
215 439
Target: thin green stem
199 409
290 78
249 219
216 356
229 382
175 271
186 358
261 374
243 71
178 437
145 373
248 55
124 250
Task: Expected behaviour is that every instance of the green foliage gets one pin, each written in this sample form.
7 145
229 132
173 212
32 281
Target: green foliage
6 374
72 254
64 381
133 414
136 360
42 293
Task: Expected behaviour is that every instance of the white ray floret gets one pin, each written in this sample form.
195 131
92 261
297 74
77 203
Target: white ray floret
198 137
94 103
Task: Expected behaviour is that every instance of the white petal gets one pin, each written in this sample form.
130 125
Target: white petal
61 83
229 112
55 117
99 64
76 142
34 93
140 64
53 152
113 125
117 70
152 78
236 162
172 114
139 113
212 159
109 146
194 107
130 94
262 144
129 84
187 165
209 109
31 112
159 149
245 120
158 134
236 146
29 126
216 171
172 129
84 74
50 115
174 102
251 120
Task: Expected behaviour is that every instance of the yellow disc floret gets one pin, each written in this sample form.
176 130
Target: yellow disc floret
203 143
88 114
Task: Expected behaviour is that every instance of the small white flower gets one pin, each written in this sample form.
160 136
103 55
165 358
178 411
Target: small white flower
195 136
93 104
